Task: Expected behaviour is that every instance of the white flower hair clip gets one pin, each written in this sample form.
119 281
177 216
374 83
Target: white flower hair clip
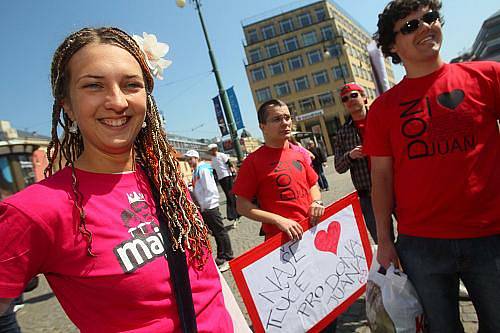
154 52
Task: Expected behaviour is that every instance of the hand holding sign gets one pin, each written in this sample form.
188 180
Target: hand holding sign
290 227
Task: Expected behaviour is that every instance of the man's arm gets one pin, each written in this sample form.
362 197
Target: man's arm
246 208
383 204
4 304
316 210
341 159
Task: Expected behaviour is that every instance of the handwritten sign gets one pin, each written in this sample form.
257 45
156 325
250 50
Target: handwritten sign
301 286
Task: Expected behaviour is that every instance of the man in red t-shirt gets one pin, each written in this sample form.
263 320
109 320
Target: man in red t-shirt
278 177
434 145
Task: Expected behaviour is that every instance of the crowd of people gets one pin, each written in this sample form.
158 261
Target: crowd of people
124 242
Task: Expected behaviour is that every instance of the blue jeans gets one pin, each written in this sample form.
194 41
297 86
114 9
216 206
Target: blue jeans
365 199
8 322
322 182
434 266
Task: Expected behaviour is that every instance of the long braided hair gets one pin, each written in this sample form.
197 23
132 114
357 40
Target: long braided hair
152 150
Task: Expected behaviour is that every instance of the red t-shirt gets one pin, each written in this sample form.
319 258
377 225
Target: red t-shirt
361 126
127 286
441 131
280 179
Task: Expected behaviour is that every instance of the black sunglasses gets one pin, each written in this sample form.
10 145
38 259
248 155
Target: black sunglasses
345 98
413 25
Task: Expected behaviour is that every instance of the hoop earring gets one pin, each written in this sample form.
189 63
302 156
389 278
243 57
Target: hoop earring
73 128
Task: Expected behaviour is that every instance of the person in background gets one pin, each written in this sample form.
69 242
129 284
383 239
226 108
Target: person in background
434 141
114 231
317 163
348 150
206 194
295 145
225 172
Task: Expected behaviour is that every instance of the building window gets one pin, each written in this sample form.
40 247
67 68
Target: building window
295 63
268 31
301 83
305 19
307 105
291 44
309 38
314 57
292 109
320 78
282 89
339 73
326 99
254 55
276 68
263 94
334 50
258 74
273 50
252 36
327 32
286 25
320 14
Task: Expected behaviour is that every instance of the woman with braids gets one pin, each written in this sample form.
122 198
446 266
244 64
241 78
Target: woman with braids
114 231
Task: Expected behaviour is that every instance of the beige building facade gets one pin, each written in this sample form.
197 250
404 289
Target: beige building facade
303 56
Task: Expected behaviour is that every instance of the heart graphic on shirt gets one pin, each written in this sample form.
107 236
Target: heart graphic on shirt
328 241
451 99
297 165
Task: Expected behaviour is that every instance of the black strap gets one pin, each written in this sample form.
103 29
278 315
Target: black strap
179 275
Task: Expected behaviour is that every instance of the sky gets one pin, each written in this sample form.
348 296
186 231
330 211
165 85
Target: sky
32 30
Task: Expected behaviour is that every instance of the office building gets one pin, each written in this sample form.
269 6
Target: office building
487 43
303 54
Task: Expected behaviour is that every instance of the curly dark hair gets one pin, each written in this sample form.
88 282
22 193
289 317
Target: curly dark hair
394 11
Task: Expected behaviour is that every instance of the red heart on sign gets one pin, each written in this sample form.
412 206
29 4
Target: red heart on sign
328 240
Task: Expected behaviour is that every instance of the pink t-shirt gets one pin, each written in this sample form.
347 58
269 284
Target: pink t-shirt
126 287
303 151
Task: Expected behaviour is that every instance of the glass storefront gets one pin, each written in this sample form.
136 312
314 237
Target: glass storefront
16 172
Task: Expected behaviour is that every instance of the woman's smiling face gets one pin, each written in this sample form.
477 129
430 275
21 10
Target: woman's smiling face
106 97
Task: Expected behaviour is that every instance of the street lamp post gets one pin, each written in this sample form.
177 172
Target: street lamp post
328 54
222 92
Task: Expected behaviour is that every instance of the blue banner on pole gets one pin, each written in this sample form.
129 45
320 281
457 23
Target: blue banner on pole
220 116
233 101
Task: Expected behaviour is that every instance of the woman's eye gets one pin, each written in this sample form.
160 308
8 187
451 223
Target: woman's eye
92 85
135 85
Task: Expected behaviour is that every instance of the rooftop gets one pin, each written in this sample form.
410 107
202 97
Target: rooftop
294 6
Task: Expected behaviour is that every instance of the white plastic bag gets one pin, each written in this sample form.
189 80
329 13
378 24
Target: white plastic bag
392 303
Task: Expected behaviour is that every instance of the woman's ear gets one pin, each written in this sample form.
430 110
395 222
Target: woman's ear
66 105
393 48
